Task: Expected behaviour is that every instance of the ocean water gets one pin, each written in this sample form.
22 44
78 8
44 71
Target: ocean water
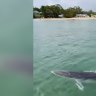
63 45
15 48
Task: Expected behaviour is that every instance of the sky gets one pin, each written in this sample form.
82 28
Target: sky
84 4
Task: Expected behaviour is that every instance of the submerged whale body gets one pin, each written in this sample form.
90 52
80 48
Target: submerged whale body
77 76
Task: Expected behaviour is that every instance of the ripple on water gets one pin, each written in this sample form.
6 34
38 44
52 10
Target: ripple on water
71 47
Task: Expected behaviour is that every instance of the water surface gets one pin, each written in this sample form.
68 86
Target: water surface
63 45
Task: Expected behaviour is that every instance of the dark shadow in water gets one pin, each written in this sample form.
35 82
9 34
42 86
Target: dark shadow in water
18 65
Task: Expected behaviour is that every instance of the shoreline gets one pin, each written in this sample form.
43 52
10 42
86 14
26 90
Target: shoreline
81 18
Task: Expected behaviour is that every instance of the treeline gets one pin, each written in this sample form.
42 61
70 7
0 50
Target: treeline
54 11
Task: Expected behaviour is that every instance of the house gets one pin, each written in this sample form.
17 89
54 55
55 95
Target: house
82 15
93 15
61 16
37 14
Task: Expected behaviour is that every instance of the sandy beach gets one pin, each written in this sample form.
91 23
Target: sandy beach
81 18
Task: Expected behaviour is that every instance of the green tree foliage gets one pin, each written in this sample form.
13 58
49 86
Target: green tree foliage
71 12
46 11
90 12
37 13
77 9
54 11
36 9
51 11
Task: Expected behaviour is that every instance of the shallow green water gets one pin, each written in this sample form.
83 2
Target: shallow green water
15 44
63 45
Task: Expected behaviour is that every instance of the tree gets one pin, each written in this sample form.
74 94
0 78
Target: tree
54 11
46 11
36 9
51 11
70 12
77 9
90 12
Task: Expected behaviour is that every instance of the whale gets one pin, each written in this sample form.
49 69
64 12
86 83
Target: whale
78 76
